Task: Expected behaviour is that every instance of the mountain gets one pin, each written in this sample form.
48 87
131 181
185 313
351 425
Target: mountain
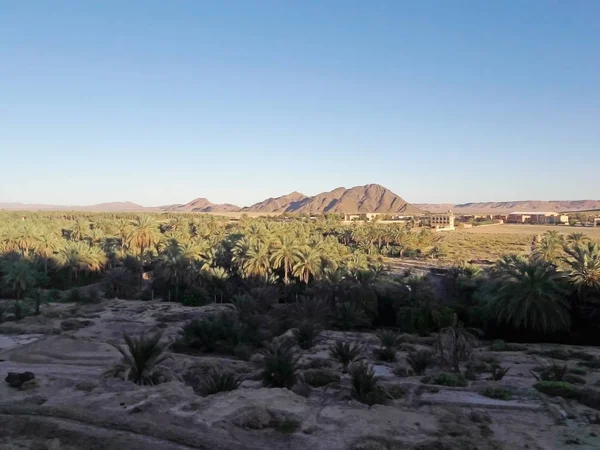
359 199
277 204
201 205
507 207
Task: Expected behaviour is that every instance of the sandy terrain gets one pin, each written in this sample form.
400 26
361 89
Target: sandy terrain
73 406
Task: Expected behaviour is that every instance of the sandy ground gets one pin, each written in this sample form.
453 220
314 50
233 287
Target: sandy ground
531 229
73 405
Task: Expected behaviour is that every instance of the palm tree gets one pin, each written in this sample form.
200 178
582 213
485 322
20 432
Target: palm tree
47 243
259 260
95 236
576 239
123 229
80 229
240 253
458 341
144 233
583 271
530 296
549 248
309 264
284 255
194 250
172 266
18 275
73 258
27 237
141 356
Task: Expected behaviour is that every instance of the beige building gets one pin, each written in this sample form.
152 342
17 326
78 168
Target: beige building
441 222
550 218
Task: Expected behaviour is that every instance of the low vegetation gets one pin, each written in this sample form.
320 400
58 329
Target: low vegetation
497 393
420 360
346 353
364 384
216 382
141 356
446 379
280 366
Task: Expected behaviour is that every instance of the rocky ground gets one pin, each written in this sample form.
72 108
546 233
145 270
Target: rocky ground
71 404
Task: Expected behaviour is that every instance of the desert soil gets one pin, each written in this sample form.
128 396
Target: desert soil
74 405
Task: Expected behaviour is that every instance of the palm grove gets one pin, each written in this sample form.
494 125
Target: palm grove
320 272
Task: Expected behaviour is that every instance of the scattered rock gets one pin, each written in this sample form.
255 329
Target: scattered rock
16 380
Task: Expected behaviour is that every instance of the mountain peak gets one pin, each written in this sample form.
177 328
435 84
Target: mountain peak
358 199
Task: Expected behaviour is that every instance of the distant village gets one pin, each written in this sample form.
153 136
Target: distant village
449 221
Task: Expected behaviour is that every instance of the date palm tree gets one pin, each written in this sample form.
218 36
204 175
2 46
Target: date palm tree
18 276
549 248
530 296
308 263
258 261
172 267
583 269
80 229
284 255
47 243
144 233
576 239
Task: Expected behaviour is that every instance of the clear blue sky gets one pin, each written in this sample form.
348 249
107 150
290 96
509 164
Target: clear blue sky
162 101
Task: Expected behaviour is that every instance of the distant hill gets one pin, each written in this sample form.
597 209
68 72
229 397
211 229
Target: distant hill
506 207
277 204
201 205
359 199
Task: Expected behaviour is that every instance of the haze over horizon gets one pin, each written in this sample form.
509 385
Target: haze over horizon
158 103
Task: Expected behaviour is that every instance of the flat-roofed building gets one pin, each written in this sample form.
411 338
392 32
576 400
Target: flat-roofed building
536 217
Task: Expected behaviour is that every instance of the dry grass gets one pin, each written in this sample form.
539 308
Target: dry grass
491 242
531 230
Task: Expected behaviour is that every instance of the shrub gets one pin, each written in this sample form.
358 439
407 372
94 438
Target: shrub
388 338
74 296
552 373
243 352
196 297
219 382
557 389
446 379
280 365
307 334
497 393
206 333
346 353
500 346
574 379
140 357
387 354
349 315
320 377
420 361
498 372
364 384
